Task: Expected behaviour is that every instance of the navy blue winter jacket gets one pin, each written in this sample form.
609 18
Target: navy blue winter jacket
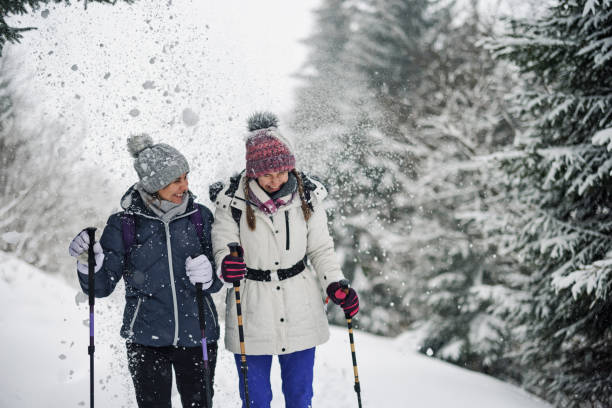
161 307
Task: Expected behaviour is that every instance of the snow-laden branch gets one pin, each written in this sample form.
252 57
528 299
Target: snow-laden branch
574 227
589 279
603 137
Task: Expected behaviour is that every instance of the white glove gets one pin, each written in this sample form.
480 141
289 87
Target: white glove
79 246
199 270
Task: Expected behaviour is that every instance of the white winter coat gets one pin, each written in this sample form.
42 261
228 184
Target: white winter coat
285 316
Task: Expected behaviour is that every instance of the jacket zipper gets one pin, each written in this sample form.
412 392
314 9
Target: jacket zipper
134 317
287 228
171 269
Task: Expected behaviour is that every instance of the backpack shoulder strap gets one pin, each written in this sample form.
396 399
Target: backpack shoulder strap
233 185
198 222
128 231
310 187
217 187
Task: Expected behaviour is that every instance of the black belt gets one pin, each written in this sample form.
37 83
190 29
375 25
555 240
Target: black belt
265 276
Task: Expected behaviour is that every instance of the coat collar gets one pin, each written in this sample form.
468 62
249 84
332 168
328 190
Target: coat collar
232 194
132 203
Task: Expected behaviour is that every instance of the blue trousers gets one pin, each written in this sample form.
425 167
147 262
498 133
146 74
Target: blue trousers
296 374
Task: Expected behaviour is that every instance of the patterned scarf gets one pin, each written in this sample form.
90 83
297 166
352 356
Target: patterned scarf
270 203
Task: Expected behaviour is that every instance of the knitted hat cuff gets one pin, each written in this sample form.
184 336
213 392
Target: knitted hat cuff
163 176
270 165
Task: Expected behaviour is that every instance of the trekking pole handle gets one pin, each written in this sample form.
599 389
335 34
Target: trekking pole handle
233 247
345 285
199 299
91 261
91 231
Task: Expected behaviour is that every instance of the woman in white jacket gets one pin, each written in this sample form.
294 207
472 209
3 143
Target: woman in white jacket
276 215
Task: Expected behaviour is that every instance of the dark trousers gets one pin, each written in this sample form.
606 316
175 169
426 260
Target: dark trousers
151 369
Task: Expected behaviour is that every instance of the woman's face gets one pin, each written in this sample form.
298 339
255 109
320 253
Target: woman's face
174 191
272 182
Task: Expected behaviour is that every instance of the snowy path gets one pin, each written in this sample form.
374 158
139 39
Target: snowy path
44 358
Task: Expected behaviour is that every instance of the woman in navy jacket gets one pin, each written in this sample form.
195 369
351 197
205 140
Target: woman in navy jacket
160 266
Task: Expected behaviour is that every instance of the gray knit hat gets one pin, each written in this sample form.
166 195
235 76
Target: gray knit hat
157 165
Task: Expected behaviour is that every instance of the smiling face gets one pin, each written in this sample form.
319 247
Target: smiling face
272 182
175 191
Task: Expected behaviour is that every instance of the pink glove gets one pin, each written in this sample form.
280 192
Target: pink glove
233 268
344 296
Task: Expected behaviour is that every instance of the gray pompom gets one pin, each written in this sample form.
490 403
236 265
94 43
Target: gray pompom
137 143
262 120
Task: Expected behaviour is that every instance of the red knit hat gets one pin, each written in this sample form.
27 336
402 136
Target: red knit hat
267 151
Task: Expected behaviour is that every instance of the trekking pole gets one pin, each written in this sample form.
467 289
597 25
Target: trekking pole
91 263
202 319
233 247
344 284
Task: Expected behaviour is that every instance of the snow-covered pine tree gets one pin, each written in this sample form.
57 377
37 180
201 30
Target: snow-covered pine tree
564 183
388 47
368 152
454 244
318 100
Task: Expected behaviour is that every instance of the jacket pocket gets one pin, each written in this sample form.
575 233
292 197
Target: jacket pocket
134 316
211 310
144 283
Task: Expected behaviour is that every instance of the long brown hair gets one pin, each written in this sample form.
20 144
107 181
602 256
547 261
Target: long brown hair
250 214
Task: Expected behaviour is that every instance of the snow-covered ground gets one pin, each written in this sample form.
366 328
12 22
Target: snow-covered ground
44 359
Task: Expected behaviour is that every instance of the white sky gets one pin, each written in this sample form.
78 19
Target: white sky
186 72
